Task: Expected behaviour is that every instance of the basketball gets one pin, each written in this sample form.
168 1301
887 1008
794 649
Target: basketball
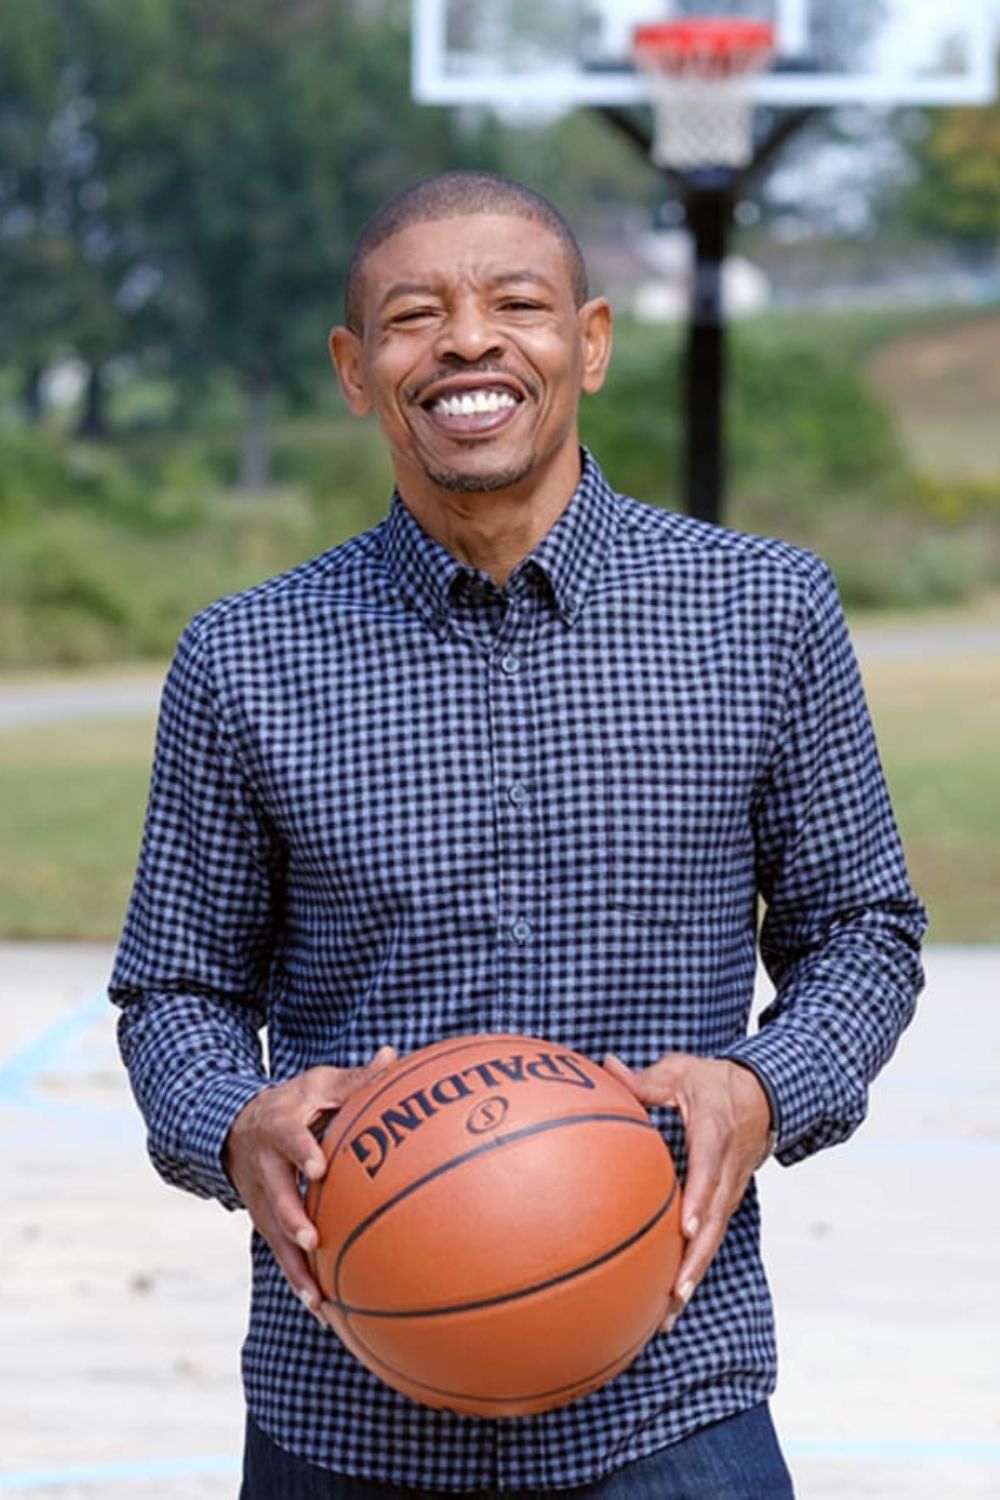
498 1225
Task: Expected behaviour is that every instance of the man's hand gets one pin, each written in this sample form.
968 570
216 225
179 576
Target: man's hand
726 1124
270 1144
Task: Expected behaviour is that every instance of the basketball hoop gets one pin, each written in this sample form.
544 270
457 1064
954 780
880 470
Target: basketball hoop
701 71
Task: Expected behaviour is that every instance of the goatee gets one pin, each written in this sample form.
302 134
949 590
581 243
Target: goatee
460 483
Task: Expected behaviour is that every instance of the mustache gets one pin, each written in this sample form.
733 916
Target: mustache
416 391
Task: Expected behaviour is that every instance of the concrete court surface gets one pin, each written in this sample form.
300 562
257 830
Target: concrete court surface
122 1301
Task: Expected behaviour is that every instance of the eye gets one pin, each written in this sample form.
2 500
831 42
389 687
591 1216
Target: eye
410 315
519 304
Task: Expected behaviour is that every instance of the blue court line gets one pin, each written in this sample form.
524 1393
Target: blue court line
121 1473
911 1450
926 1148
905 1450
19 1072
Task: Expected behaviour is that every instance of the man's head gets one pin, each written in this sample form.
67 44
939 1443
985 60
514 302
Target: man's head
471 336
456 195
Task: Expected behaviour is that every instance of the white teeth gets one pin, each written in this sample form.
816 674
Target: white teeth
470 403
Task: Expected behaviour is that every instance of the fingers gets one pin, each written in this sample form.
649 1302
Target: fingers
713 1190
271 1146
288 1235
726 1120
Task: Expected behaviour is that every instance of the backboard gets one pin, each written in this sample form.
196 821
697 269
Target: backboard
562 53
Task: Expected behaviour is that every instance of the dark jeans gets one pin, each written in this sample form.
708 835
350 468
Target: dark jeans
738 1459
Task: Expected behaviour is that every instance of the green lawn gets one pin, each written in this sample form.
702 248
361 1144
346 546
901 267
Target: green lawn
938 721
70 824
73 797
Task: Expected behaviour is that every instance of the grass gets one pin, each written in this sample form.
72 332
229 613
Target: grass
938 722
70 824
70 819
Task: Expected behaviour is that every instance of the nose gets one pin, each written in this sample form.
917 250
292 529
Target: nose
468 334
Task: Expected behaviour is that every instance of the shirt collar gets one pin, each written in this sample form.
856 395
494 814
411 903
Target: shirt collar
568 557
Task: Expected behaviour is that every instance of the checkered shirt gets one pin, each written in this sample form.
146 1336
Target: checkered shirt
393 803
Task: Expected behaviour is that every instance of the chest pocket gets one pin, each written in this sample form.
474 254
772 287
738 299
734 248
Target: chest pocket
680 847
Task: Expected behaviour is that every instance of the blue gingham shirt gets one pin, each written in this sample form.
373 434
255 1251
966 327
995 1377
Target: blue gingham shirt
392 803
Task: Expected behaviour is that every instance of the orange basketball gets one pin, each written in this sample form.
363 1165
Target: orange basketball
498 1225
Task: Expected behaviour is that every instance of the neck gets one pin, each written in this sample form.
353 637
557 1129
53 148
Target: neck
490 531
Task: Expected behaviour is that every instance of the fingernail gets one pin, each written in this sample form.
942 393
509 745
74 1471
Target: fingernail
686 1292
310 1299
668 1323
692 1226
306 1238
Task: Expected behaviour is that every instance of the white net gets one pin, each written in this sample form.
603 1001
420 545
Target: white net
701 80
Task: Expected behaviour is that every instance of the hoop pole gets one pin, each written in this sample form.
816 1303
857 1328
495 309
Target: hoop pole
708 210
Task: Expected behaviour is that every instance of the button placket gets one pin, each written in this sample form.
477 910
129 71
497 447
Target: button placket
512 714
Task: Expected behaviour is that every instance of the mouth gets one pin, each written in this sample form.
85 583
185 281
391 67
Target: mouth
471 408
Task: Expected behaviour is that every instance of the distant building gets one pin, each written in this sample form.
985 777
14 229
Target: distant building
649 276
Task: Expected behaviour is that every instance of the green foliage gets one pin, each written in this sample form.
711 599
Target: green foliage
813 458
956 187
181 180
106 552
810 418
802 424
634 424
103 557
952 501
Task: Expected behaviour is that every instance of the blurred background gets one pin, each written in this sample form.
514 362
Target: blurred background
179 188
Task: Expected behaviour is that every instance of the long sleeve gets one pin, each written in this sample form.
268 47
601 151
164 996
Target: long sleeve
193 963
842 928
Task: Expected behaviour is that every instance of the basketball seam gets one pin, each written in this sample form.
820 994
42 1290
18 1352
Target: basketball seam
479 1303
495 1143
579 1387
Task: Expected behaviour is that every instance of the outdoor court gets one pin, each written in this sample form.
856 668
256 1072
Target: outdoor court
123 1301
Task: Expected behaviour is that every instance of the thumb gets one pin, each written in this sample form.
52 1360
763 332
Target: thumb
332 1087
636 1083
381 1059
653 1085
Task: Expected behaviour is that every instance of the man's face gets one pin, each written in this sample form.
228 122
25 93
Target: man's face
474 356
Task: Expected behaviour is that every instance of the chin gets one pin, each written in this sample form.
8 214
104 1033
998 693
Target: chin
463 482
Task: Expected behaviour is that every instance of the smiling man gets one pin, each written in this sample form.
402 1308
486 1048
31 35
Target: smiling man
524 757
473 355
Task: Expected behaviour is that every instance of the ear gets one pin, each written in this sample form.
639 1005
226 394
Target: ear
347 355
595 334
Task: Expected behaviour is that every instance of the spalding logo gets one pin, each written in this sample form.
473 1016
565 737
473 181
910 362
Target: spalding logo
487 1115
372 1145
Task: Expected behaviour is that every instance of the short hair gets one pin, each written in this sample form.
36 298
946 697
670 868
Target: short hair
451 195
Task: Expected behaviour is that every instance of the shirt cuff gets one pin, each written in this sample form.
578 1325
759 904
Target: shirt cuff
789 1076
198 1165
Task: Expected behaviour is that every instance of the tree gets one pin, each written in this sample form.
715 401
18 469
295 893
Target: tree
187 176
957 187
269 131
67 251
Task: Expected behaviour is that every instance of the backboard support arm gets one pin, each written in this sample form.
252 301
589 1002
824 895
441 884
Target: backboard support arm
709 199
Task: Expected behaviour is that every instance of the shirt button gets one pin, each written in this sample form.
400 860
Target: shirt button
510 665
518 793
521 930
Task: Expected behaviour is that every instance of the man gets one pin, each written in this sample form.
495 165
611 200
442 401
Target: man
521 758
